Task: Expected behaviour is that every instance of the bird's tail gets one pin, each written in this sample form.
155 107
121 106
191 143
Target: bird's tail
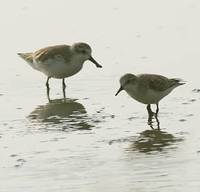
28 57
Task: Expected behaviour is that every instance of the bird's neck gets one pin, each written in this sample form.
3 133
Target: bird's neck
78 60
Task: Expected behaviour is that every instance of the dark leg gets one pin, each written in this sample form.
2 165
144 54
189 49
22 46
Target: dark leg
150 120
63 86
148 107
151 123
158 122
150 112
47 82
157 109
48 89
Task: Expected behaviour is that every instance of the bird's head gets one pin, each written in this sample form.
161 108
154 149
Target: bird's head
126 81
84 51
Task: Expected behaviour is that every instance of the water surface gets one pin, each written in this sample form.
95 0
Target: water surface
94 141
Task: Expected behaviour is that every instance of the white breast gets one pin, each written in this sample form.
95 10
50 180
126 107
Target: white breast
57 67
148 96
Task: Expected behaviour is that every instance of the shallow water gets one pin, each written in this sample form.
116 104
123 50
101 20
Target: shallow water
94 141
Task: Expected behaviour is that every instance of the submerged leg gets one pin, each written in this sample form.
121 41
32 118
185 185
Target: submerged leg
64 87
48 89
150 120
157 121
151 115
153 124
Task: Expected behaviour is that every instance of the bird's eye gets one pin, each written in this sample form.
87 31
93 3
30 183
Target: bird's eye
83 51
128 81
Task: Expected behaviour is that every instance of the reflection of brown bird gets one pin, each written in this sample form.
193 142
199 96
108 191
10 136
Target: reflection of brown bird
61 111
60 61
148 88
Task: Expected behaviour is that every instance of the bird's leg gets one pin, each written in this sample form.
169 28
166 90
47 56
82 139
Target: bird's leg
150 112
150 117
157 109
48 89
150 120
64 87
158 122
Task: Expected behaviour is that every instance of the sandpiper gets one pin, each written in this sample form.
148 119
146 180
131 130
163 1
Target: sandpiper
60 61
148 88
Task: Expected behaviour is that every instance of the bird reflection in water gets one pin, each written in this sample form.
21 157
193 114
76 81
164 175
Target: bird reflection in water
68 112
153 140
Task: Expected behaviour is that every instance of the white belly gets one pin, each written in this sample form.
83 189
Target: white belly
149 96
58 68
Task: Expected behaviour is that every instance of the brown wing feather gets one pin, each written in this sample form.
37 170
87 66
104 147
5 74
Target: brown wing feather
53 51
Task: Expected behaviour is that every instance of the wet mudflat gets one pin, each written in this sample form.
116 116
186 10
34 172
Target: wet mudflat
92 140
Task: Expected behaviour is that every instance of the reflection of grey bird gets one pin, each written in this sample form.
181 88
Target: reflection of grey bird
60 61
68 112
148 88
153 140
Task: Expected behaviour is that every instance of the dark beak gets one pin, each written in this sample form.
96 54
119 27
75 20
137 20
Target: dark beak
95 62
120 89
